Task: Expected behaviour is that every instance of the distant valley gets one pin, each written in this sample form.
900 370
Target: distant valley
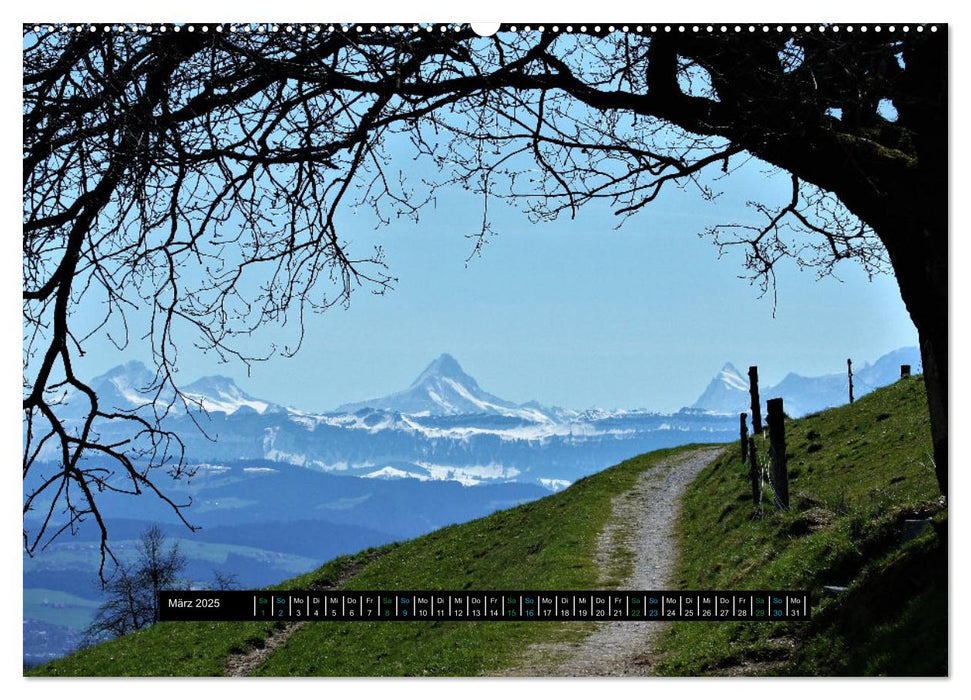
278 490
444 426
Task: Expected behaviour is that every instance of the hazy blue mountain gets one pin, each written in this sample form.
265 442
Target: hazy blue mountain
220 394
133 386
728 393
443 427
444 389
277 490
126 386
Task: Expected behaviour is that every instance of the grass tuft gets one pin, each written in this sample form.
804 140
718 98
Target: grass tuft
856 474
546 544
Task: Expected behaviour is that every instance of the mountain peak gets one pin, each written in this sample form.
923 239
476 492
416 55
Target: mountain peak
132 368
444 389
220 393
732 378
726 393
444 366
216 382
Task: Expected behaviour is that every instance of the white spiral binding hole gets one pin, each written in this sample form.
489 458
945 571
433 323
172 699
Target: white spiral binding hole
455 28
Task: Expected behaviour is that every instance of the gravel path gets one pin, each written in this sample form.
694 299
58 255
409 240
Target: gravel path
244 663
643 521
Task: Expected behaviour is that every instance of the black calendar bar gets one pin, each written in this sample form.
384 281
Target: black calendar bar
485 606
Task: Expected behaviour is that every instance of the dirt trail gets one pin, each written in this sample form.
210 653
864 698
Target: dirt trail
245 663
642 521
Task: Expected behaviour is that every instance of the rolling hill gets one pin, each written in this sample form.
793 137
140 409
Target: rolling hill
859 480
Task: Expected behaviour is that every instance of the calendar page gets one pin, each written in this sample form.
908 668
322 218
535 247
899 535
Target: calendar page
611 349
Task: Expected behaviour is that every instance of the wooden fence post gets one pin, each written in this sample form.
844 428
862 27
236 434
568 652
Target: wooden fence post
753 390
743 432
904 371
777 450
753 471
849 372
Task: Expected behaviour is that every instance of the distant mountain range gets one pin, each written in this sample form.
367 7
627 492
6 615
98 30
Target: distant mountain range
444 426
275 489
444 389
132 386
728 392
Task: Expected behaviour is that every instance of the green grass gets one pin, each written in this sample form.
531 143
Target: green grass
856 473
546 544
174 649
84 555
58 608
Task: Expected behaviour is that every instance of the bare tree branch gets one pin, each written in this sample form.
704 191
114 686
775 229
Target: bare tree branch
197 180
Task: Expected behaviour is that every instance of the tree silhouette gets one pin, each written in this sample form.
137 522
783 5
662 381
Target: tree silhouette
134 589
195 176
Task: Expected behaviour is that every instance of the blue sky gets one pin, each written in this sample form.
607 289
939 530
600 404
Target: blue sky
571 313
874 321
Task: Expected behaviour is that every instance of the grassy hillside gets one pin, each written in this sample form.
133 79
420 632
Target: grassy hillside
856 474
546 544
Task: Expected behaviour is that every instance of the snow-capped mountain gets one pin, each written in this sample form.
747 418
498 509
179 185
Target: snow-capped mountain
133 386
218 393
126 387
728 393
445 427
444 389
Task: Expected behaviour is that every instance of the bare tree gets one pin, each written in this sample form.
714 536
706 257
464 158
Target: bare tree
133 592
224 581
198 176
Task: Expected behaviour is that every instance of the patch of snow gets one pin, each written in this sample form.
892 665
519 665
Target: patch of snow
433 395
274 455
555 484
212 468
130 394
392 473
469 475
733 380
226 402
488 407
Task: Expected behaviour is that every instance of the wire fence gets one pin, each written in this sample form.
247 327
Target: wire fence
763 473
768 466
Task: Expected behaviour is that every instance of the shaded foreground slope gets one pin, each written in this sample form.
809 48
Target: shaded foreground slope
643 522
546 544
858 474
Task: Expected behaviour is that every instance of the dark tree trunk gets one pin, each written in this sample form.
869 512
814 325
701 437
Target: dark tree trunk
933 352
899 188
920 262
918 246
